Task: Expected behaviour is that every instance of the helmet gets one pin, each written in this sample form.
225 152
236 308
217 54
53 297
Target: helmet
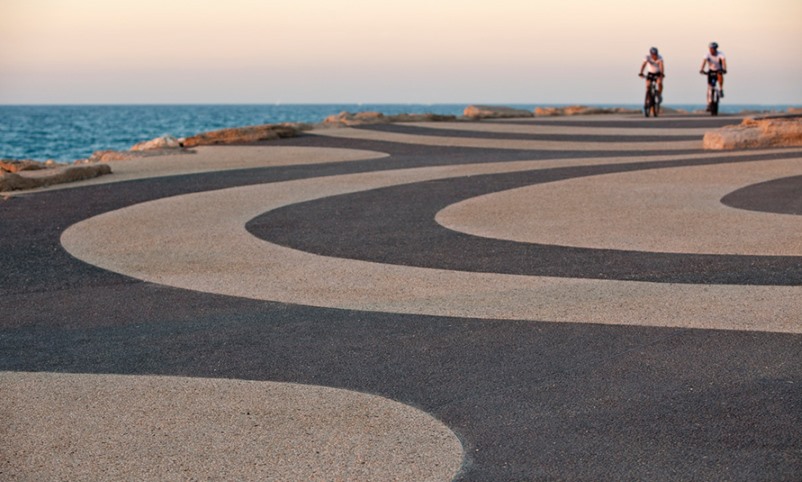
653 50
713 45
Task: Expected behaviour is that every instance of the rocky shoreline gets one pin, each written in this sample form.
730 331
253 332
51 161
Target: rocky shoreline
16 175
754 133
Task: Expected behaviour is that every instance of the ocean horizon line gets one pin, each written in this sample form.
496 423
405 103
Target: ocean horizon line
534 104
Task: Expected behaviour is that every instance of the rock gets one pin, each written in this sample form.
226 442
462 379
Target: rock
30 180
421 118
477 112
114 156
168 145
11 165
757 133
349 119
582 110
795 110
163 142
108 156
548 111
242 135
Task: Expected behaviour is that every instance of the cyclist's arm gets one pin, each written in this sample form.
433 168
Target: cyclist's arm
662 68
702 68
723 66
642 67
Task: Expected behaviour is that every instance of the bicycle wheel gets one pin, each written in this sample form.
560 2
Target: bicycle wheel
714 103
647 104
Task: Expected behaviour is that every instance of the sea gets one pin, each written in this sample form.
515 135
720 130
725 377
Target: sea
65 133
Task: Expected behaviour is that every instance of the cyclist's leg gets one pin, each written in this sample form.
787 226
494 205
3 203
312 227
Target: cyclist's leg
720 83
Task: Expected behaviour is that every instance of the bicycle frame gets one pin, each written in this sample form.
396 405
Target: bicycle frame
651 105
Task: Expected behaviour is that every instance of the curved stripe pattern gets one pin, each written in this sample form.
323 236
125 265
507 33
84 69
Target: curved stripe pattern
540 376
190 258
338 227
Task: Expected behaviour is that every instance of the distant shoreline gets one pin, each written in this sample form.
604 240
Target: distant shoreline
65 132
783 130
368 104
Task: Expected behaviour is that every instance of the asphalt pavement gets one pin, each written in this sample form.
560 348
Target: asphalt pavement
378 334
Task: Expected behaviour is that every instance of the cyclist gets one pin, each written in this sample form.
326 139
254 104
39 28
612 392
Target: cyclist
717 63
654 63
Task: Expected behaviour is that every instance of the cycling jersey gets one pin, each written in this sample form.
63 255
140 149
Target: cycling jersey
714 62
652 66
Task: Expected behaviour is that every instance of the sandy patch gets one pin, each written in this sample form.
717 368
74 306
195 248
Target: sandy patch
674 210
107 427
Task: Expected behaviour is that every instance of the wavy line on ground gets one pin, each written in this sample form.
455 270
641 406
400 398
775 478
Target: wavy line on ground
474 142
204 246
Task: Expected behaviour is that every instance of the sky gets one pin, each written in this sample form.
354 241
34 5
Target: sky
391 51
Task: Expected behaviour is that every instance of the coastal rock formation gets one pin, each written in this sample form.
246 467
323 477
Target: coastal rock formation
757 133
422 118
113 156
48 177
580 110
349 119
169 145
163 142
242 135
477 112
11 165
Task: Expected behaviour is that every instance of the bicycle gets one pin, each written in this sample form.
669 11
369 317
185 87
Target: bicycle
713 91
651 106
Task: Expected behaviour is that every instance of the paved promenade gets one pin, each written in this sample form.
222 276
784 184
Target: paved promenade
584 298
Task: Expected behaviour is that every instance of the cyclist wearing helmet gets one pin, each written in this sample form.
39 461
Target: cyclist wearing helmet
715 62
655 65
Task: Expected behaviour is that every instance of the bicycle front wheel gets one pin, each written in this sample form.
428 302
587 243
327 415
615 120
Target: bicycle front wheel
714 103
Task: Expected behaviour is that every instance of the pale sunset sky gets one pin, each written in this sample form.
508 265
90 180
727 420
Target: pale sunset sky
392 51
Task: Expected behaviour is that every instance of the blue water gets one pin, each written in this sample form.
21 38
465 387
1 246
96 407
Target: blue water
65 133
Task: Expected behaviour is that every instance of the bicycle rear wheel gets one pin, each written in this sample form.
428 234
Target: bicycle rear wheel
714 103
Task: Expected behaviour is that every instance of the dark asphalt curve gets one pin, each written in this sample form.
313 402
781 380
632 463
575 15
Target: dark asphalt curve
423 131
781 196
397 225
